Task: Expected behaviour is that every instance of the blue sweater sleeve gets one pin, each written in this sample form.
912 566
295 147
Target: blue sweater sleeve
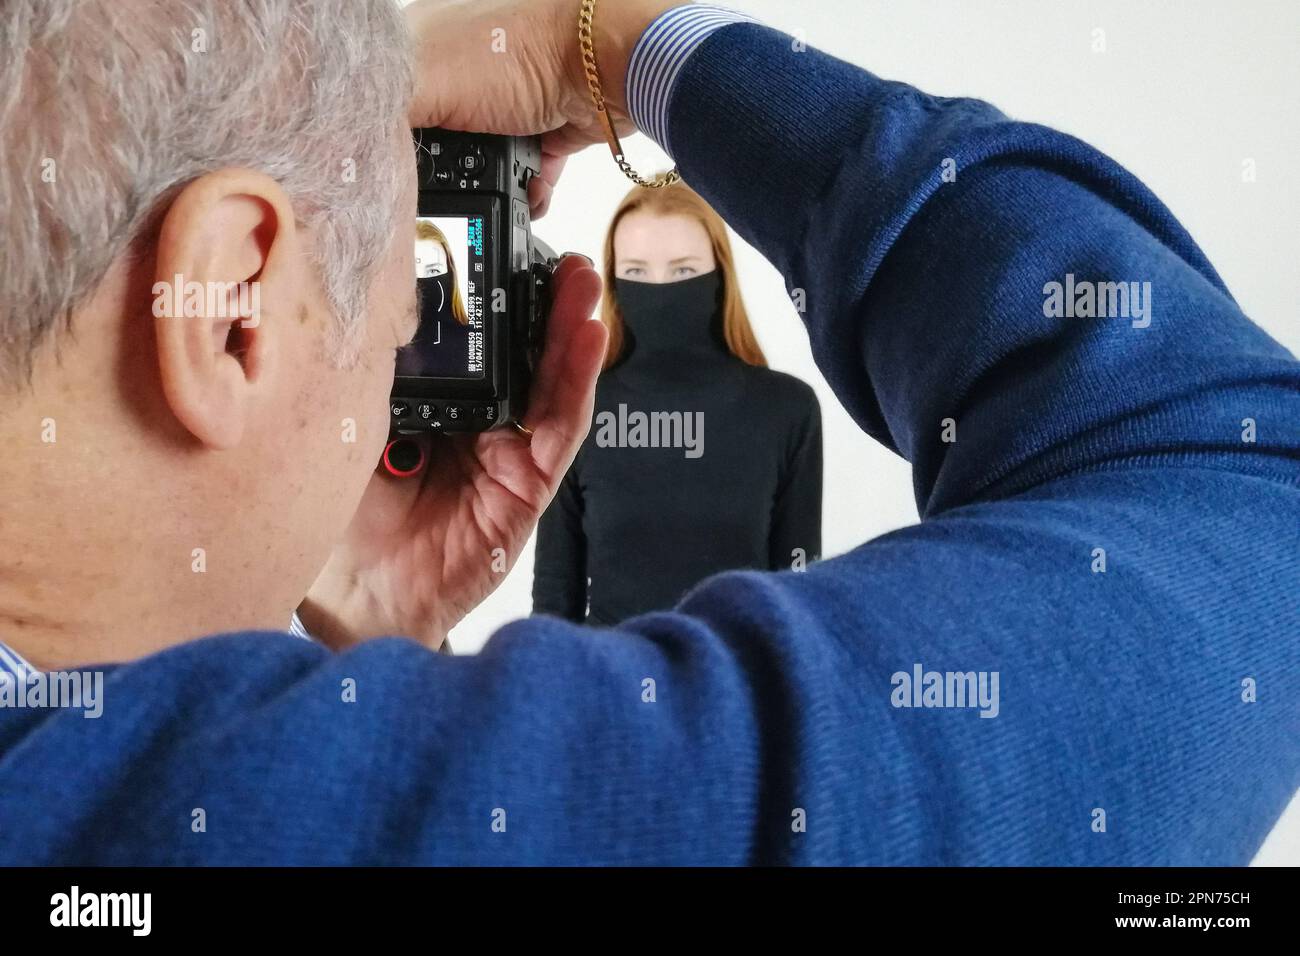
1102 537
918 235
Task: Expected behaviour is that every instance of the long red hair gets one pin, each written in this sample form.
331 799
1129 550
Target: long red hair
680 199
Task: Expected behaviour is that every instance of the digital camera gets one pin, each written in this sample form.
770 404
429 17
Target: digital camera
484 285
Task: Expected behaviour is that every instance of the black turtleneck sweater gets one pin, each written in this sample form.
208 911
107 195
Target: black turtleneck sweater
739 485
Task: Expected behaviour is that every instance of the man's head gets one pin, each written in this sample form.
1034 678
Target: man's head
192 470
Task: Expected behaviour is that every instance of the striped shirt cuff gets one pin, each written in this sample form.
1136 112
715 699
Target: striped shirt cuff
659 57
297 629
13 666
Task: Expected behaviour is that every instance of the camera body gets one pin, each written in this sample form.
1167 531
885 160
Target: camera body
484 283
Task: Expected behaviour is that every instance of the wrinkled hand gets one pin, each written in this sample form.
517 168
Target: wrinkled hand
422 552
514 67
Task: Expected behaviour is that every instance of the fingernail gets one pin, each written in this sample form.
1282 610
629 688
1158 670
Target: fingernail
583 255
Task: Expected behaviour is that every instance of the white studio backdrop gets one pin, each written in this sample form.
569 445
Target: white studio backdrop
1185 93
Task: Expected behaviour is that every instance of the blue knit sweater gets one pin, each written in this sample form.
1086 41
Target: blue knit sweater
1147 713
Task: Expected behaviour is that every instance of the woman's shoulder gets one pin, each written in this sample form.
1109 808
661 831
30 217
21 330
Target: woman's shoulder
789 390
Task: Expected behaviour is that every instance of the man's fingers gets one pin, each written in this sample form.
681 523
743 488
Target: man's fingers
539 197
558 435
564 386
575 293
570 262
570 307
542 187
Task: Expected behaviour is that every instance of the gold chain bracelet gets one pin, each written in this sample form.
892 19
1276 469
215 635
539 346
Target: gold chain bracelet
585 19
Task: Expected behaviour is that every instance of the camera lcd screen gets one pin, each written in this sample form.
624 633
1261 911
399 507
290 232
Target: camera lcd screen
451 282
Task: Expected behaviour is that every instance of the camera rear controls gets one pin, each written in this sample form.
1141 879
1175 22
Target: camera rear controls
473 187
471 162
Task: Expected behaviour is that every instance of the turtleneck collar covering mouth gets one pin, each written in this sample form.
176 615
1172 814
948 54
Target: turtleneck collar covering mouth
673 318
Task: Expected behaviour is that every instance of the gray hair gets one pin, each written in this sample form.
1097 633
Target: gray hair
122 102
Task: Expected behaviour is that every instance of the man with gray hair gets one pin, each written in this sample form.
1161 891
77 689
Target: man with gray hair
172 485
167 93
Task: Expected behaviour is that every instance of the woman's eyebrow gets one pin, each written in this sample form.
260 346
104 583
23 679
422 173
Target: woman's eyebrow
641 262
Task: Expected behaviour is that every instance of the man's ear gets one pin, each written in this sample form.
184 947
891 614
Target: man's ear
228 240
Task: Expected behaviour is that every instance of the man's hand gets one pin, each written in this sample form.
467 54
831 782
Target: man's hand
515 67
422 552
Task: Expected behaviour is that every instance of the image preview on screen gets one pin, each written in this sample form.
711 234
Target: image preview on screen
450 277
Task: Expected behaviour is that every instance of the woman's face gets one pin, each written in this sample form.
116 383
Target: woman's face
654 248
430 259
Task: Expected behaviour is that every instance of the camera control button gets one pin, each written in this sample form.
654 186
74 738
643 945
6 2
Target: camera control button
485 414
427 412
400 409
471 162
455 413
